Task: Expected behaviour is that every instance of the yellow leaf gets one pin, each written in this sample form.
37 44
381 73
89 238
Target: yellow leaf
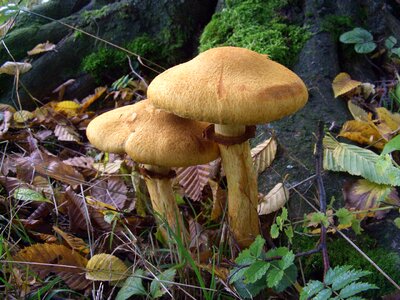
43 47
23 116
363 133
274 200
357 112
343 84
106 267
219 199
74 242
100 205
263 154
387 123
71 108
98 92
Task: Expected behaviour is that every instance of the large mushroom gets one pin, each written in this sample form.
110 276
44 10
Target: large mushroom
159 140
232 88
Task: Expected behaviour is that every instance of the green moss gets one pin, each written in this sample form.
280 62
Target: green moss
256 25
96 14
337 24
109 62
342 253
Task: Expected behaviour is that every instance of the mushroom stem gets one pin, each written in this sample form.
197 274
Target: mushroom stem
242 186
164 203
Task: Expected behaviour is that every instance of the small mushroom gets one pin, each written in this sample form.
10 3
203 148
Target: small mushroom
232 88
160 141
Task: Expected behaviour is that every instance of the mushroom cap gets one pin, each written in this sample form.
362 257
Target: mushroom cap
229 85
152 136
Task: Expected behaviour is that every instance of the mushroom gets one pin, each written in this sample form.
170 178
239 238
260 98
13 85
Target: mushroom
159 140
232 88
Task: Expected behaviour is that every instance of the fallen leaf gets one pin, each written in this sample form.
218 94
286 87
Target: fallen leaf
274 200
112 190
343 84
23 116
193 179
14 68
40 48
106 267
219 200
108 167
362 132
263 154
98 92
66 133
357 112
72 241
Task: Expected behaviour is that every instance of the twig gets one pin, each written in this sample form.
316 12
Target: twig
321 193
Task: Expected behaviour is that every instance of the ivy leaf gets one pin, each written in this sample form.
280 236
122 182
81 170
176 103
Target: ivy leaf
396 51
132 286
390 42
256 271
274 276
159 286
364 48
356 36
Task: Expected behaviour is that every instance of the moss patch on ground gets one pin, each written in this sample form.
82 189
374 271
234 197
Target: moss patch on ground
342 253
258 26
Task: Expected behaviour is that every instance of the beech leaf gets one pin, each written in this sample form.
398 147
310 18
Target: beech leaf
106 267
40 48
58 259
72 241
219 199
26 194
357 112
343 84
66 133
12 68
193 179
362 133
263 154
274 200
108 167
113 191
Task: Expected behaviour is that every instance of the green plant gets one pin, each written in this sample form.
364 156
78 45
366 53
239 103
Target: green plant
257 269
282 225
340 282
336 24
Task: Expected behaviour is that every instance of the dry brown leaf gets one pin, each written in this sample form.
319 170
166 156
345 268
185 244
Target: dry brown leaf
42 211
58 259
365 195
66 133
263 154
85 162
98 92
193 179
357 112
73 242
52 166
112 190
199 243
219 199
388 123
362 132
343 84
14 68
6 117
274 200
77 211
41 48
6 26
47 238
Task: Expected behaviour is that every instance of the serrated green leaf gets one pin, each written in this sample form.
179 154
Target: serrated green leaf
245 257
325 294
25 194
284 214
392 145
164 280
342 280
236 274
257 247
358 161
313 287
286 261
133 285
274 276
397 222
355 288
280 251
249 290
289 233
274 231
320 217
256 271
356 226
364 48
357 35
289 278
332 273
390 42
345 216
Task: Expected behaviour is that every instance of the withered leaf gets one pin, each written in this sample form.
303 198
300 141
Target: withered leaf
219 199
263 154
362 132
274 200
52 258
193 179
343 84
112 190
40 48
72 241
77 212
85 162
108 167
357 112
98 92
363 195
66 133
14 68
106 267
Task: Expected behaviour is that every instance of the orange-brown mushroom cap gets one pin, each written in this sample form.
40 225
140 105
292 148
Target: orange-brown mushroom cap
229 85
152 136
